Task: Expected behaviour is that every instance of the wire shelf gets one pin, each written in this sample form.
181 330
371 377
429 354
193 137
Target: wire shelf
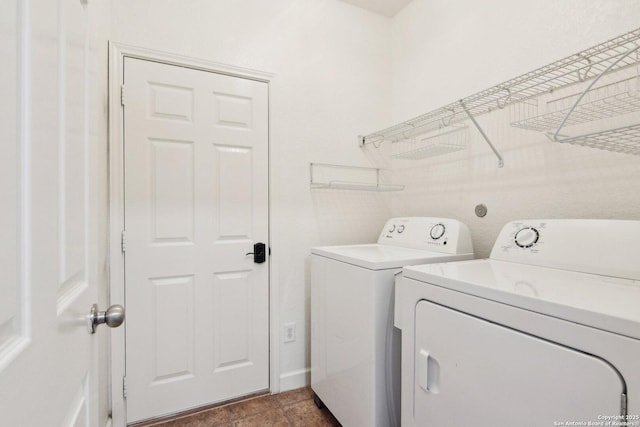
608 56
612 106
605 102
361 186
342 177
448 140
434 120
621 140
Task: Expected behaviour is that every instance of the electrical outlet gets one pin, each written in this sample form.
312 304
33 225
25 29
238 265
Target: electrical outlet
289 334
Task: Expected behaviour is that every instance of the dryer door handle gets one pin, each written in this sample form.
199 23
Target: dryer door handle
428 372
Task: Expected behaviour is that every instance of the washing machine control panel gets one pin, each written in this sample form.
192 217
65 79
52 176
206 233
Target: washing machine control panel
433 234
522 236
604 247
437 231
527 237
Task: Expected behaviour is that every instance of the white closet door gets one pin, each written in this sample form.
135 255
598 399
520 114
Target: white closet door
196 185
469 371
48 274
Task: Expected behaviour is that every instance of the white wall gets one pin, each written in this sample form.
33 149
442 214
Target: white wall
332 66
341 71
444 50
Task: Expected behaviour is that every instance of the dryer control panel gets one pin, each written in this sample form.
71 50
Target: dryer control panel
607 247
434 234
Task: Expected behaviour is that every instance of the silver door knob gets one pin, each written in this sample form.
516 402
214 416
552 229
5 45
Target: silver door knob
113 317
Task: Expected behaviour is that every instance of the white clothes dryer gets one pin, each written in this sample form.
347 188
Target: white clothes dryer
546 332
352 334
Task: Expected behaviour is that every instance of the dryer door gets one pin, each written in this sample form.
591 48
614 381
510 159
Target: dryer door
471 372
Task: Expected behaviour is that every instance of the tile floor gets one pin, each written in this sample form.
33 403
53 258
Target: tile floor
292 408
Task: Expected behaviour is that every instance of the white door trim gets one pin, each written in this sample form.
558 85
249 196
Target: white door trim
117 53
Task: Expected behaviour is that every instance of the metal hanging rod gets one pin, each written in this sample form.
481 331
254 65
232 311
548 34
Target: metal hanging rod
574 69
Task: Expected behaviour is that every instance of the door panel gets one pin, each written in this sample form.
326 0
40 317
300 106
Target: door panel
12 288
72 155
469 371
174 346
233 191
196 200
232 323
47 356
172 189
167 102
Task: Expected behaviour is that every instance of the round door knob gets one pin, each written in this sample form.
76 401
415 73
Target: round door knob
437 231
527 237
113 317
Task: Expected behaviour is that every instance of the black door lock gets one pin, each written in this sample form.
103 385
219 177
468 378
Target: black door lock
259 253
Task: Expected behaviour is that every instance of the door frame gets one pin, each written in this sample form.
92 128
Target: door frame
117 53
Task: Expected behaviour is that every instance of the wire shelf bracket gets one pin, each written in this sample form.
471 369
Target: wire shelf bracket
484 135
556 134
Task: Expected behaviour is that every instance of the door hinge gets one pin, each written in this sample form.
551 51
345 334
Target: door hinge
123 241
124 387
122 97
623 404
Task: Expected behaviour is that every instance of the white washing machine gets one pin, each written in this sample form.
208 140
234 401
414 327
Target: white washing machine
353 349
544 333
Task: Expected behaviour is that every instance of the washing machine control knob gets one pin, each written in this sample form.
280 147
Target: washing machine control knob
437 231
393 228
400 228
527 237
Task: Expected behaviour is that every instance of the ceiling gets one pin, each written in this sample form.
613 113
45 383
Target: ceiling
384 7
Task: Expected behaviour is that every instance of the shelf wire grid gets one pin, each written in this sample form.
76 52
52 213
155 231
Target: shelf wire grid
343 177
359 186
574 69
449 140
621 140
606 102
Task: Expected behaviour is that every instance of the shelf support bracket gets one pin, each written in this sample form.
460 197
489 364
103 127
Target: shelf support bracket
584 92
484 135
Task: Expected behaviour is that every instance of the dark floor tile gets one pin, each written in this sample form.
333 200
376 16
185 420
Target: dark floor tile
272 418
250 407
306 414
210 418
293 396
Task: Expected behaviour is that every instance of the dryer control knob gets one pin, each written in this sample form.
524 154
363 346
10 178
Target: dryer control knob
437 231
527 237
392 229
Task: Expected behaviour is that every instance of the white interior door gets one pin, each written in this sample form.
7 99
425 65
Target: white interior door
196 201
47 281
469 371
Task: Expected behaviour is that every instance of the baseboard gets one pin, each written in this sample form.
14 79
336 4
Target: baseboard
295 379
